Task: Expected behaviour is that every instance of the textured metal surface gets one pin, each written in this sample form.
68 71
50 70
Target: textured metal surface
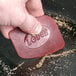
12 65
66 8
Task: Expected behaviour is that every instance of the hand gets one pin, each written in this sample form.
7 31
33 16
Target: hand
20 13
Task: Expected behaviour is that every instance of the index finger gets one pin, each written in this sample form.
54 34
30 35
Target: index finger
35 8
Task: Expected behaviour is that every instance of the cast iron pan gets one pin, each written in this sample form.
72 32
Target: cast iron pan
61 63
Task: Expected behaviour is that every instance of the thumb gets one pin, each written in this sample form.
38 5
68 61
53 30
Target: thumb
31 25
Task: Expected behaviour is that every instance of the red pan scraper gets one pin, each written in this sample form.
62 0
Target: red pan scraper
48 41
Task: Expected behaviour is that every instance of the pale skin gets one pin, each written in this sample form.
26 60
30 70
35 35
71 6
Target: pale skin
22 14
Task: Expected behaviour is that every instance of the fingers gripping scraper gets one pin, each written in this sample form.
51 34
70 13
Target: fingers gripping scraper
49 40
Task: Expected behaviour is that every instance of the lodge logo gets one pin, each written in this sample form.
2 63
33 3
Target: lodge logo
37 40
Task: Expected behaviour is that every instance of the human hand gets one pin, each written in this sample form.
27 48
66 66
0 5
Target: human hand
20 13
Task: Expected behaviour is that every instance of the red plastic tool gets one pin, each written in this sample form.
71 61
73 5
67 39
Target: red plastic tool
48 41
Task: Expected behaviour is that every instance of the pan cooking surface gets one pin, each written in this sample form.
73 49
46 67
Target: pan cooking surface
61 63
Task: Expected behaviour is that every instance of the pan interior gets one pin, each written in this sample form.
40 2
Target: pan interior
59 65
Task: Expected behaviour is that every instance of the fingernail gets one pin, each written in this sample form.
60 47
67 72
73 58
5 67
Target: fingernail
38 29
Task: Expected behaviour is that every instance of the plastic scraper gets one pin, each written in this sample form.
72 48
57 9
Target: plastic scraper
49 40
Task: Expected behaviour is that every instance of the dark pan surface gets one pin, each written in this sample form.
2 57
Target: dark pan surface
61 63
